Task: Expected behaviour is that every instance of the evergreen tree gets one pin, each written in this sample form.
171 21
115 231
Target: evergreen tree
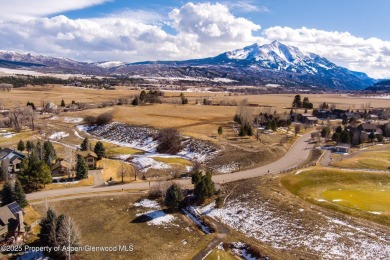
345 120
297 101
196 177
7 194
21 146
204 187
39 150
29 146
85 144
49 153
173 196
99 150
81 168
220 130
135 101
62 103
19 195
339 129
47 224
43 176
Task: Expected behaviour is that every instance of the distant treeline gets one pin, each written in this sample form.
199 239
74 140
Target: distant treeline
18 82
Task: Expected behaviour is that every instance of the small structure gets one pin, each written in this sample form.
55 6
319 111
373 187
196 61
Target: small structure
341 148
90 158
12 157
11 222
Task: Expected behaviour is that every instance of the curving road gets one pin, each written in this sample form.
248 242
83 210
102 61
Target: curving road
297 154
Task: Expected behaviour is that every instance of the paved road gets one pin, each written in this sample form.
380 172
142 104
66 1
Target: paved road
297 154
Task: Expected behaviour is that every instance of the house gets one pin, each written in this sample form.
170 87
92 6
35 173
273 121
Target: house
11 222
60 167
369 128
12 157
90 158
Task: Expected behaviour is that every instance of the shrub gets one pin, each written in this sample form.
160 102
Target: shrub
104 119
218 202
170 141
90 120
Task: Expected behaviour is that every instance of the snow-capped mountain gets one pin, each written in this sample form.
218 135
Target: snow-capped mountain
257 65
272 63
46 63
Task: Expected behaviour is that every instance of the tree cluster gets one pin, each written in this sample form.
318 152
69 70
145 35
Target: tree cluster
18 82
204 186
102 119
11 193
244 117
152 97
59 231
341 135
34 172
273 122
298 103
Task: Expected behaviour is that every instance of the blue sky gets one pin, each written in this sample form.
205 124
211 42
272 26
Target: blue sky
353 34
362 18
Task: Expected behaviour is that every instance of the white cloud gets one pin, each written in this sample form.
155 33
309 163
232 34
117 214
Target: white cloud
25 9
369 55
200 30
246 6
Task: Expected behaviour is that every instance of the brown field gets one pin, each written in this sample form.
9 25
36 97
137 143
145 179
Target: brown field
107 221
55 93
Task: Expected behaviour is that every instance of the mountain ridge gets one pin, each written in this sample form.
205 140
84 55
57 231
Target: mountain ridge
274 63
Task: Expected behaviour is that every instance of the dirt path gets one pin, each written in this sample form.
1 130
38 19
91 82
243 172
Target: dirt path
97 178
222 232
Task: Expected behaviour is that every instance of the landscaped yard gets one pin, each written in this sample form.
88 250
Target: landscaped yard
377 160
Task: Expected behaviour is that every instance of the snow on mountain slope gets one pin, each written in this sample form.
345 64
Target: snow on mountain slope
110 64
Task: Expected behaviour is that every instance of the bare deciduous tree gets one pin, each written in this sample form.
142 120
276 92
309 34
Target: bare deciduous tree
30 115
67 236
70 158
297 128
17 116
124 170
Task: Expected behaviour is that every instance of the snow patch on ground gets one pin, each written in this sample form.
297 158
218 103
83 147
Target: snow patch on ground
156 216
146 163
59 135
145 203
73 120
77 134
6 134
335 239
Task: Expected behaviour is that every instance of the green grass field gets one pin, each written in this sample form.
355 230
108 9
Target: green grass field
352 192
173 160
111 151
377 160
